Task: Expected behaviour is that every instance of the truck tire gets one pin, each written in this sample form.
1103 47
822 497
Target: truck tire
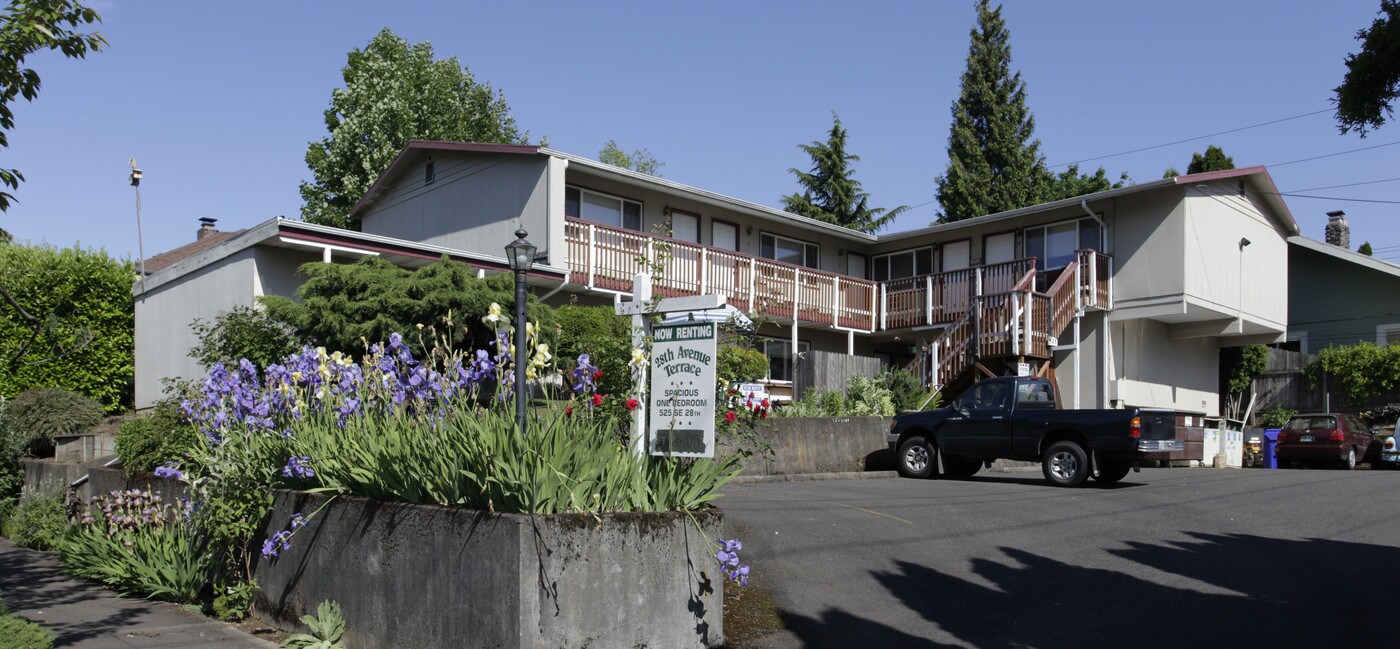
960 467
1065 464
1111 471
916 458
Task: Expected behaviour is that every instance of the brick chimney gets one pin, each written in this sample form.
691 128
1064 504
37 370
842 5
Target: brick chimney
206 228
1337 233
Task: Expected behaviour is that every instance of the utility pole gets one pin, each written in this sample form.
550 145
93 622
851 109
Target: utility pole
140 245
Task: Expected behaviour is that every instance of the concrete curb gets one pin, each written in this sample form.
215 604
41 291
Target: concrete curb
806 477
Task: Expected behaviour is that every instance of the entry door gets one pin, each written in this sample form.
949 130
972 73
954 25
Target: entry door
957 255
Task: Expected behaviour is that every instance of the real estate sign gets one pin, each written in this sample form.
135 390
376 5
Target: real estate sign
682 421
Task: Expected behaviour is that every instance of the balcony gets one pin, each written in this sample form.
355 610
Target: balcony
607 257
1017 319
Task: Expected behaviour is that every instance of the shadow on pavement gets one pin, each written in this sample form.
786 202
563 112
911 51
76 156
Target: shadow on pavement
1212 590
31 582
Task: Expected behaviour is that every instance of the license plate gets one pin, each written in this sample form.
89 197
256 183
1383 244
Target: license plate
1306 438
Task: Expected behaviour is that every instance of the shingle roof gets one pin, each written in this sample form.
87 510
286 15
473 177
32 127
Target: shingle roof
172 257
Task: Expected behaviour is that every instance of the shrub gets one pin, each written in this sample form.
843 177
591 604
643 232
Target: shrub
1275 417
607 339
39 415
906 390
40 522
154 439
735 363
326 627
865 397
1385 415
243 332
233 601
135 543
11 452
19 633
80 330
7 516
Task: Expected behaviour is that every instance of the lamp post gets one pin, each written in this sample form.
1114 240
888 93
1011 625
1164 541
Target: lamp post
521 255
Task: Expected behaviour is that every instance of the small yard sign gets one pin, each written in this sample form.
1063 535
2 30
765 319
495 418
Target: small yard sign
682 422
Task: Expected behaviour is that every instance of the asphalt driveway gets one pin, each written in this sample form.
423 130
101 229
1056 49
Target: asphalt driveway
1167 558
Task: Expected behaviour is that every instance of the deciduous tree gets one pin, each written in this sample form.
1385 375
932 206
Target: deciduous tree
1373 74
1214 159
394 92
30 26
640 160
830 191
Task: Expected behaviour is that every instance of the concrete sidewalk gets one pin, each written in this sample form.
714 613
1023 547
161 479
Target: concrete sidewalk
85 616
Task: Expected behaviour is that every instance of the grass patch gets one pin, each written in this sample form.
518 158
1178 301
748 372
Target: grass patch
19 633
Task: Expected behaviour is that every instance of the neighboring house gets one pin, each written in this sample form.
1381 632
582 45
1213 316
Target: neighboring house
1339 297
1125 296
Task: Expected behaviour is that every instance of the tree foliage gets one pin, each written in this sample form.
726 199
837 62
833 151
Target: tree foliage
394 92
602 334
345 307
739 363
1238 368
1365 249
994 160
66 320
639 160
1366 371
830 192
1373 75
1214 159
26 27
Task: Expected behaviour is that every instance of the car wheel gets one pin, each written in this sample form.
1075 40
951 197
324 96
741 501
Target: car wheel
956 467
1065 464
916 457
1350 462
1111 471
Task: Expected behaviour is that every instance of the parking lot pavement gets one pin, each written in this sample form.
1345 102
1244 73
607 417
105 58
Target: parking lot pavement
1167 558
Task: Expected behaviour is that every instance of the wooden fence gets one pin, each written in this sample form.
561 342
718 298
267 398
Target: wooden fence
1285 383
831 371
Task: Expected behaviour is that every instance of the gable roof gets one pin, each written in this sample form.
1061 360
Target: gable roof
416 149
1350 256
171 257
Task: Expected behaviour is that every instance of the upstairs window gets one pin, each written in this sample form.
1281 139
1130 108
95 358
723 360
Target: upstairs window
602 208
1054 245
792 251
905 263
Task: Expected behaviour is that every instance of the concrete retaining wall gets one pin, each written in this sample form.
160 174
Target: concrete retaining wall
101 481
822 445
424 576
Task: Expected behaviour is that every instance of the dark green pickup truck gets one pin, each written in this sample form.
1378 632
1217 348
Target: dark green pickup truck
1015 418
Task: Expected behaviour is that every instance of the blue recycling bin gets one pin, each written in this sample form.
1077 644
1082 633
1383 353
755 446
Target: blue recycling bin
1270 440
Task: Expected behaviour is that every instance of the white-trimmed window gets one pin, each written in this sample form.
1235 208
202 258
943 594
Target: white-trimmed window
779 353
1053 245
602 208
1388 334
905 263
792 251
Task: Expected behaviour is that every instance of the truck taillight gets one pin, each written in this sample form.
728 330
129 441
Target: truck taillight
1135 427
1336 436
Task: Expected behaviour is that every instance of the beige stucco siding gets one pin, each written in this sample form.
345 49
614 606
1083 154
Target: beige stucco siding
1147 248
1248 281
1155 370
475 202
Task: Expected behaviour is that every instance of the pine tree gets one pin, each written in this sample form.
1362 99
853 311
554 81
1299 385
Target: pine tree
994 161
1365 249
830 193
1214 159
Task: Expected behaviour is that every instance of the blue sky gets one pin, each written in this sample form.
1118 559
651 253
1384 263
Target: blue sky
218 101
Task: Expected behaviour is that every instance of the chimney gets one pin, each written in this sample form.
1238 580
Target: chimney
206 228
1337 233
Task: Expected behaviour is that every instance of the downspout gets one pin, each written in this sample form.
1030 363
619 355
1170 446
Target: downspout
558 288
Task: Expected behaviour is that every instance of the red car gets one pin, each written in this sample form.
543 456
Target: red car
1325 438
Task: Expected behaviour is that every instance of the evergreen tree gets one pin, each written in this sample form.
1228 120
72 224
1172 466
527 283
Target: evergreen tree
830 193
1214 159
1171 172
394 92
1373 75
1365 249
994 161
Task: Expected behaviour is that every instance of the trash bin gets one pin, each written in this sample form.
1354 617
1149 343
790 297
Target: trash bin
1270 439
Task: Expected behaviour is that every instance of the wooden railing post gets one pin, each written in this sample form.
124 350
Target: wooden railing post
874 324
1094 278
753 273
836 301
1078 289
1029 327
928 299
592 254
704 271
933 362
1014 314
1109 262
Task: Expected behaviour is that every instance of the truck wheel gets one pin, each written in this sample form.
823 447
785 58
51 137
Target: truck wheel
1111 471
916 458
958 467
1065 464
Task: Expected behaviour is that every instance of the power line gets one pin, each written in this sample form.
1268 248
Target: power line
1330 155
1369 182
1331 198
1193 139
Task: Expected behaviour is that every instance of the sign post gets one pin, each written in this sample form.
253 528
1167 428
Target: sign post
683 390
641 308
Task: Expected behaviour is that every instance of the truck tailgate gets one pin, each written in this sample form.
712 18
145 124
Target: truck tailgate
1158 424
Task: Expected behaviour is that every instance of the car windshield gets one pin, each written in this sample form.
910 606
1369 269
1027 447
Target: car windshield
1304 423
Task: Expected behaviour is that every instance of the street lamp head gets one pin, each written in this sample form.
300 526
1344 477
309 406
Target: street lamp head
520 253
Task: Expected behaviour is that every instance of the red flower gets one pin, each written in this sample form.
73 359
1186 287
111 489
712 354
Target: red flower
765 403
631 404
569 411
733 390
597 374
730 416
597 400
750 395
763 414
